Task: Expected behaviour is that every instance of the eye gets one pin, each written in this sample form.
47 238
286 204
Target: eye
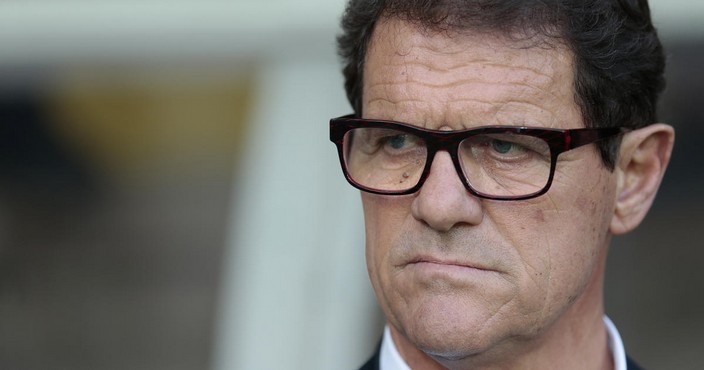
511 145
397 141
504 147
507 148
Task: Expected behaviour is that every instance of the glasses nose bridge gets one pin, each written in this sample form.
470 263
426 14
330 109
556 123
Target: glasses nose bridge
449 144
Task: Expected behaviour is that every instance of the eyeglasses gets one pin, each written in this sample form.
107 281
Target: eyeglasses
493 162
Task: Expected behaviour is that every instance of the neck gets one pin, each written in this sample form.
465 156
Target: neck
577 340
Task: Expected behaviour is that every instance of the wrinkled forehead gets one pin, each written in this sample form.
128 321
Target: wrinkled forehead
413 73
394 38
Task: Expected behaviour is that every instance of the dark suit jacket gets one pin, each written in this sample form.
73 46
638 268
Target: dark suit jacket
373 363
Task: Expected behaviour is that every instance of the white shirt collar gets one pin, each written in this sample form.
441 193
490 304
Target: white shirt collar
390 359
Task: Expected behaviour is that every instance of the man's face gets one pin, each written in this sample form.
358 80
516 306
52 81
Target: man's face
456 275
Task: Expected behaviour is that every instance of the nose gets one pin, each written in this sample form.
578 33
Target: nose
443 202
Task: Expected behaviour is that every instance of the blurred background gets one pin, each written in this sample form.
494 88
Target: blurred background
169 198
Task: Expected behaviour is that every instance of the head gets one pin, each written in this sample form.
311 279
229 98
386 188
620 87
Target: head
461 278
618 58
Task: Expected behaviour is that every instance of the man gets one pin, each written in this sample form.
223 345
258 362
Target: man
499 145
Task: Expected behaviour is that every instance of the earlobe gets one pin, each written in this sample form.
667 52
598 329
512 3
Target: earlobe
644 156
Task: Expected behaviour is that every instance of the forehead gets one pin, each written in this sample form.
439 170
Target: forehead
466 79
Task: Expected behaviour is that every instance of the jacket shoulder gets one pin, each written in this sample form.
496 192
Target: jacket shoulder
373 362
632 365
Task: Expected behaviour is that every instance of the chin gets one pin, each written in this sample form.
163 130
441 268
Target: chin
451 331
453 349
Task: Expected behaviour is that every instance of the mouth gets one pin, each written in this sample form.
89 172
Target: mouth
427 263
447 272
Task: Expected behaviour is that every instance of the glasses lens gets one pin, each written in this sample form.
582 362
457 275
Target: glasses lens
505 164
384 159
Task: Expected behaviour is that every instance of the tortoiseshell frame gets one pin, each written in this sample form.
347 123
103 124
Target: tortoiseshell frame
558 140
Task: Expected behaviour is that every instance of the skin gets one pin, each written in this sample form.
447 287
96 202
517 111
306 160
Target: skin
481 284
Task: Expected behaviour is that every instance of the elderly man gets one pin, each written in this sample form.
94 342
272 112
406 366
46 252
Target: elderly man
499 145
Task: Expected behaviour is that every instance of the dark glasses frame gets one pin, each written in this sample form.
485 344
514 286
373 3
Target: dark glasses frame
559 141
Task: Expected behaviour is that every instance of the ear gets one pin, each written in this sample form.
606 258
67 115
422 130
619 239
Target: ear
643 158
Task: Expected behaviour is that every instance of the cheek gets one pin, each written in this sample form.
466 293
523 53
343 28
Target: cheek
577 236
383 218
558 241
579 208
588 213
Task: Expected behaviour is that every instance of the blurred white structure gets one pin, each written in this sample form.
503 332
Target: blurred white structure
297 295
